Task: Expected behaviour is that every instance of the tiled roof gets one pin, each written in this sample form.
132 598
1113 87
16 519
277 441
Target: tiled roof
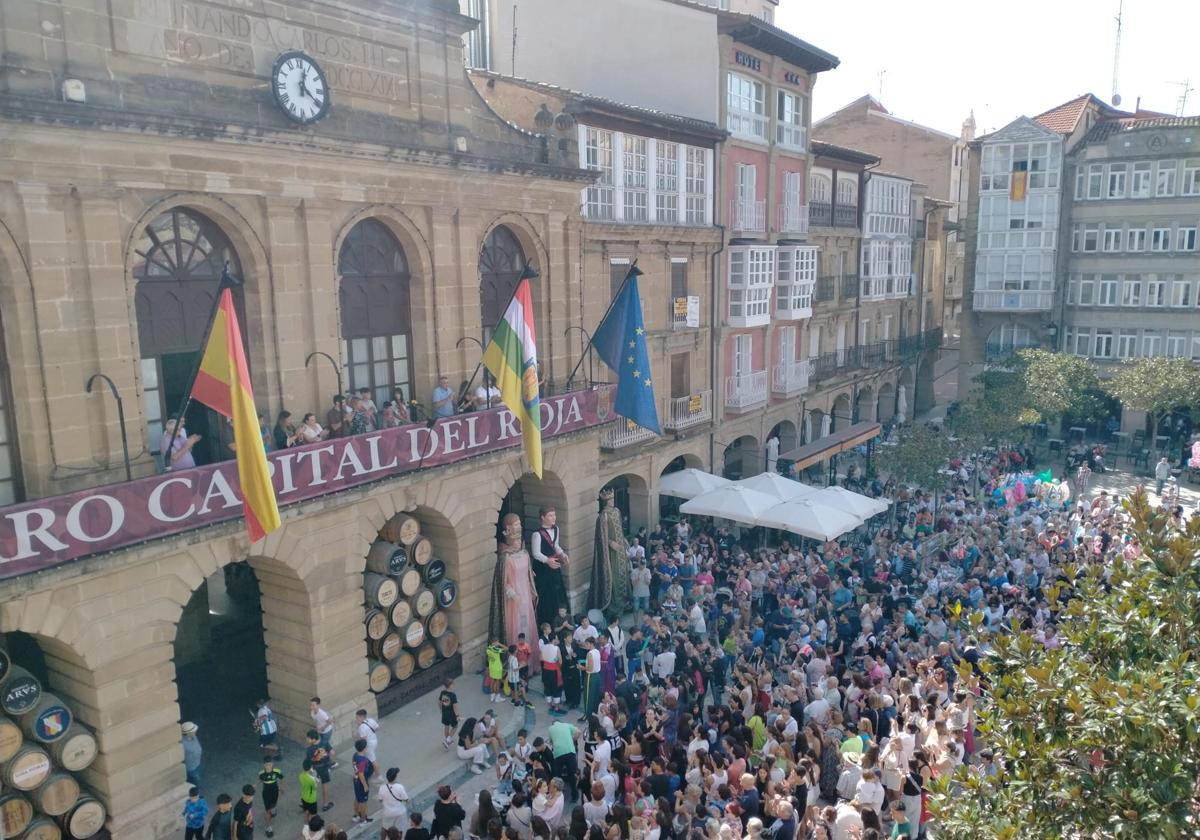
1104 130
1065 117
601 102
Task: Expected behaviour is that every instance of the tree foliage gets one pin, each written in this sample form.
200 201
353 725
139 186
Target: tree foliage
918 458
1055 383
1156 386
1100 738
994 412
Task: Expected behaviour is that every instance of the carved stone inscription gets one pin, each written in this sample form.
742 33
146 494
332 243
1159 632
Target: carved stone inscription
243 41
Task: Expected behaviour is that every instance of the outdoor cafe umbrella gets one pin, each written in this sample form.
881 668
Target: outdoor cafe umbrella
690 483
864 507
811 519
732 502
776 486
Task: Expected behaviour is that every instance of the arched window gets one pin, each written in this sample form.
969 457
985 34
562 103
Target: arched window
180 259
10 472
819 187
376 311
847 192
501 262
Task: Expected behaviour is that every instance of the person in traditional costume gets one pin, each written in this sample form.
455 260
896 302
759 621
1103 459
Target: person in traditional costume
513 592
610 589
549 559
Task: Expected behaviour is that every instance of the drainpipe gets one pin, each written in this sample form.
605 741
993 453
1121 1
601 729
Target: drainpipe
714 336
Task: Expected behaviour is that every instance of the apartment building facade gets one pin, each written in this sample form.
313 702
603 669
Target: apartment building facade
1132 269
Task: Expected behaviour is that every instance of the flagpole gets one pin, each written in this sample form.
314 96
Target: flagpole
228 281
634 271
527 273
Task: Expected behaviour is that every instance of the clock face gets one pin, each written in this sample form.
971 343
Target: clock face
300 88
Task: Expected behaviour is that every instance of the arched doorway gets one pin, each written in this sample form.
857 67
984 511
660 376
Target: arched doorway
742 458
864 406
840 413
527 498
668 506
179 260
376 312
632 498
887 403
782 438
501 262
814 424
221 667
923 396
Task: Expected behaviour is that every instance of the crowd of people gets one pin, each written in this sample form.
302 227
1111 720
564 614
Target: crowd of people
778 690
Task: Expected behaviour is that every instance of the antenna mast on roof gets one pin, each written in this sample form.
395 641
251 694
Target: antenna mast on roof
1186 84
1116 97
881 72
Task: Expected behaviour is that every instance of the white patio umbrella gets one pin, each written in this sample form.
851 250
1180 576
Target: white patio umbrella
732 502
864 507
901 404
810 519
776 486
690 483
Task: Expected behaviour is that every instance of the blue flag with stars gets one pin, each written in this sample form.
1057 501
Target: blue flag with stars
621 342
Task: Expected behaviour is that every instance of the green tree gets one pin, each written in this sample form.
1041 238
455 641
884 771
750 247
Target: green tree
918 459
1156 386
1099 738
995 411
1055 383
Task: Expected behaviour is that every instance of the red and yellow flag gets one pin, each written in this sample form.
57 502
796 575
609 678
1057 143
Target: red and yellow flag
223 384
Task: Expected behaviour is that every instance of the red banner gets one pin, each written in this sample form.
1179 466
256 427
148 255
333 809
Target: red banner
48 532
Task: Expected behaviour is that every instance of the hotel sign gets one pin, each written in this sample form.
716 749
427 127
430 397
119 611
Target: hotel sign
49 532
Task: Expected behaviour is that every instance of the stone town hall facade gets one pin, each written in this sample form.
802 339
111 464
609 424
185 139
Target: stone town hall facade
143 148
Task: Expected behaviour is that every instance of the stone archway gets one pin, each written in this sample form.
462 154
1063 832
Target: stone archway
887 403
840 413
923 397
527 497
864 406
742 458
632 497
782 438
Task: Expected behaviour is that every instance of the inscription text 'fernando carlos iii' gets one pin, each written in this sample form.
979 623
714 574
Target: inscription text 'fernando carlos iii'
216 35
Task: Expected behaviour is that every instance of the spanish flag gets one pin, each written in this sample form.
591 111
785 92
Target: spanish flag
1020 176
223 384
512 358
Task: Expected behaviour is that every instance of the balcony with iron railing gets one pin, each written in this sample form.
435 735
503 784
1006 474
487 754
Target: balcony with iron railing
688 412
790 378
903 350
845 215
825 289
793 218
747 216
746 391
827 214
624 433
849 286
1013 301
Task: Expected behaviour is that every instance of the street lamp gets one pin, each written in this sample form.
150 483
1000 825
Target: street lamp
337 371
120 418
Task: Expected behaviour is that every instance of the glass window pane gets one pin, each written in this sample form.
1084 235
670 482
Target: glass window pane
381 373
383 396
399 371
360 376
152 406
149 373
8 494
379 347
400 346
156 433
358 349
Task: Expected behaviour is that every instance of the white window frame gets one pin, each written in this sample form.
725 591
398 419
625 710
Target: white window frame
666 182
751 279
1095 184
1156 291
1091 235
1160 239
1131 290
1164 178
635 178
1127 344
1106 290
1103 347
1135 241
599 154
1118 174
689 202
698 185
1112 239
746 108
1190 183
1185 238
1141 180
1087 290
789 120
1181 291
1151 344
796 272
1177 344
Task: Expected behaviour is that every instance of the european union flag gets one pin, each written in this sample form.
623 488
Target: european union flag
621 342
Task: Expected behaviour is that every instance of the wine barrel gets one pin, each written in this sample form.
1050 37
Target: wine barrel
410 582
15 812
437 624
379 675
48 720
403 665
447 643
421 552
5 665
76 750
402 528
387 647
27 769
386 558
20 693
10 739
381 590
42 828
57 795
426 655
377 624
84 819
447 591
413 633
435 572
401 613
425 603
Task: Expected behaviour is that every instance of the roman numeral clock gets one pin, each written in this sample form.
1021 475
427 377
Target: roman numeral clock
300 88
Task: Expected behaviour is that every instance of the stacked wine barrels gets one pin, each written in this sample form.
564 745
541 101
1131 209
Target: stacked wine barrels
407 597
41 747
